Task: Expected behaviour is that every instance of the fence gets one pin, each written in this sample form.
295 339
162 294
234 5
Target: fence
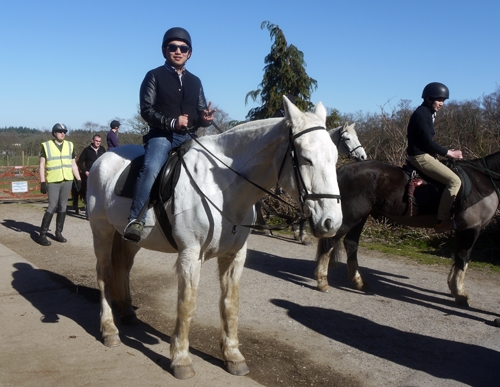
20 183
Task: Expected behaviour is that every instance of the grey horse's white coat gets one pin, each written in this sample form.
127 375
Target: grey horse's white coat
256 150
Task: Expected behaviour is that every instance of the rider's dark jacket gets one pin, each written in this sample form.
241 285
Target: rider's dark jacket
420 133
163 98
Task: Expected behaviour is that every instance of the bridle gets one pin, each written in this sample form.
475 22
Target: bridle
291 150
301 187
344 141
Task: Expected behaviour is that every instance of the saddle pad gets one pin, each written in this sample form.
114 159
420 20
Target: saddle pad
427 195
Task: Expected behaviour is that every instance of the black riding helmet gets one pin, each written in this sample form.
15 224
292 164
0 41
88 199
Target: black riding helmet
59 128
435 90
176 33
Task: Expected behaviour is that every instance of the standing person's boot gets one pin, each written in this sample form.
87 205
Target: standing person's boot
42 239
61 216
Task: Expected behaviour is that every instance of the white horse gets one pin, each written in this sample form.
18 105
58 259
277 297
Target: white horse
347 142
211 203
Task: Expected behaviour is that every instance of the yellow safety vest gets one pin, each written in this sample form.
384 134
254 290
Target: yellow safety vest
58 166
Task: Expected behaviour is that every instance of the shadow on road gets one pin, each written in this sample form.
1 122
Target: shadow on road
24 227
54 296
465 363
383 284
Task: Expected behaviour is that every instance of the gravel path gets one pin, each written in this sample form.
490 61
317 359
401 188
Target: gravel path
408 332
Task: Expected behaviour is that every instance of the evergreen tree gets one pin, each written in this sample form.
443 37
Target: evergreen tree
284 73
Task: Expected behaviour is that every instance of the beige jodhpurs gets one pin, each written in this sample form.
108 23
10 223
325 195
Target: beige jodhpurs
439 172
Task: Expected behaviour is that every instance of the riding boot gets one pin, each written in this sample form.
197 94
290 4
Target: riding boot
42 239
61 216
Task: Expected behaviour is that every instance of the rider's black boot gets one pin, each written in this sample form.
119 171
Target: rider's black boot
42 239
61 216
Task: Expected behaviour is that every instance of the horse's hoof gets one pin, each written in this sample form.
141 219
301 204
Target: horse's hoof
239 368
183 371
496 322
112 341
307 242
324 288
463 301
130 319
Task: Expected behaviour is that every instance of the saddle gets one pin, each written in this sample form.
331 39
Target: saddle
424 193
163 187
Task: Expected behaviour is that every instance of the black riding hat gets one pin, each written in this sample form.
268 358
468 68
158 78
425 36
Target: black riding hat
59 128
436 90
176 33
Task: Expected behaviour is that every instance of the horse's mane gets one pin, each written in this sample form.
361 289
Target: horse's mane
255 124
263 126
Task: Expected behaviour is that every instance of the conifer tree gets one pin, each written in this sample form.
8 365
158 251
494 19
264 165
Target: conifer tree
284 73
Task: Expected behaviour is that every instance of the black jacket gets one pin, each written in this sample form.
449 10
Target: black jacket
162 99
88 157
420 133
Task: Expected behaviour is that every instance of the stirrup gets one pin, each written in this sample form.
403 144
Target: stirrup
133 221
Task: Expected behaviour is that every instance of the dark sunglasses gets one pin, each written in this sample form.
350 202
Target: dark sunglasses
173 48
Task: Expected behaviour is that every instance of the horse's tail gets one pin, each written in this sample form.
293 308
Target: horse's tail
122 259
337 252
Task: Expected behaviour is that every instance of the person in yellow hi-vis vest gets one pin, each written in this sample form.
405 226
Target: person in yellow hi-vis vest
57 168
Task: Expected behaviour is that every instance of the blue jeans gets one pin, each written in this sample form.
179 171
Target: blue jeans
156 155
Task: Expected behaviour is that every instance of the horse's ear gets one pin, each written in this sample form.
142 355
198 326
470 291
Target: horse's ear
320 111
290 108
292 112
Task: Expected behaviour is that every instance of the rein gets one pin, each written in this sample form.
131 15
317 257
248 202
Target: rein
298 176
491 174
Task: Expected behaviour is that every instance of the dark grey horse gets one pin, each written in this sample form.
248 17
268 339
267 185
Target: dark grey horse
378 189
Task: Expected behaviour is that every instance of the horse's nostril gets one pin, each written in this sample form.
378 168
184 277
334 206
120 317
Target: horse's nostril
328 224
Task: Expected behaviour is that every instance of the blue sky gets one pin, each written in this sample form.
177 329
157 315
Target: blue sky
73 62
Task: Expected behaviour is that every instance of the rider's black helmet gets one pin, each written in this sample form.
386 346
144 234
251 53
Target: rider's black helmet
59 128
176 33
436 90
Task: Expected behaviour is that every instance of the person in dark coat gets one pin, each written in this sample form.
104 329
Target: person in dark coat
112 137
423 151
85 161
173 104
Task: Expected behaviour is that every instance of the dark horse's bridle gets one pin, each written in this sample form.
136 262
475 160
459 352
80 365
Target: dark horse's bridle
303 194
